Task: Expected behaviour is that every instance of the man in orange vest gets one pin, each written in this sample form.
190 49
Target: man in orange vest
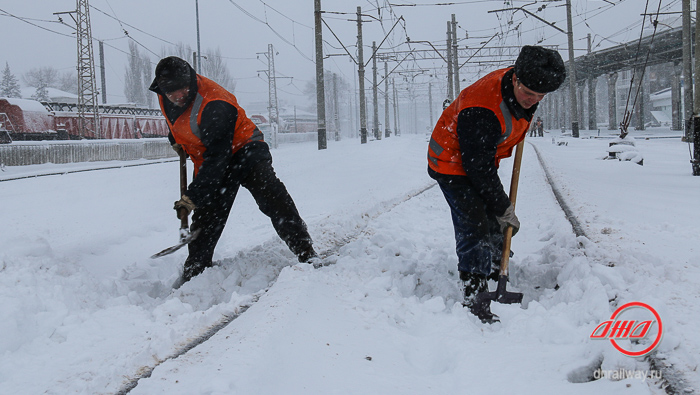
473 134
228 151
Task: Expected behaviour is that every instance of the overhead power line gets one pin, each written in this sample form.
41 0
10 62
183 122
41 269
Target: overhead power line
273 30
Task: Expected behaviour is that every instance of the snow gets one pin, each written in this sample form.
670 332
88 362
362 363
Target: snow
27 105
86 311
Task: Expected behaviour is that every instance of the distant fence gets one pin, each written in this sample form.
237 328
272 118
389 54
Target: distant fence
34 153
71 151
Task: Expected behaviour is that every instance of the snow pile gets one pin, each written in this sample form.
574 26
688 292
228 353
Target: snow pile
88 312
625 149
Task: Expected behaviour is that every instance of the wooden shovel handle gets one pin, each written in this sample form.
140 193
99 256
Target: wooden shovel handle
184 224
508 234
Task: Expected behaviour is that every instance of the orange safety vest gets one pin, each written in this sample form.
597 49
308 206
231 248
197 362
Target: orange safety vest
186 130
444 154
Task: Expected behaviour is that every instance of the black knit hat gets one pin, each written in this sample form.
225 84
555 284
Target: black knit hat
172 73
540 69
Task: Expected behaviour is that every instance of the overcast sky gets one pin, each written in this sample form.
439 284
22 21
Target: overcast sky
242 29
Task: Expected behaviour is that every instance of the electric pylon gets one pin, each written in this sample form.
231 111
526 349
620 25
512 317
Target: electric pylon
88 116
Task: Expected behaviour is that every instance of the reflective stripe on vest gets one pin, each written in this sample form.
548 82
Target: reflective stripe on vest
444 151
196 106
187 132
194 114
508 118
437 148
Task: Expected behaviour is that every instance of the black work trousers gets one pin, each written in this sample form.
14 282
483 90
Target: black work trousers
250 167
477 233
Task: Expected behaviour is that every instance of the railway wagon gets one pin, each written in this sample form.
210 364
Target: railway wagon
24 119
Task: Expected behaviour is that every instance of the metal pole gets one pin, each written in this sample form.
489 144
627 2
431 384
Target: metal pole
336 117
592 82
387 129
199 50
455 56
687 71
320 88
696 107
450 81
361 77
612 100
396 110
572 72
273 108
102 73
430 102
355 118
375 115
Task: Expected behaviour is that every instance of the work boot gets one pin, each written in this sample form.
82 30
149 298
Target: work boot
474 284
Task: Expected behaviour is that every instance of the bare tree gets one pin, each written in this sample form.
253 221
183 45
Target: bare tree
181 50
41 77
213 65
147 71
214 68
133 78
68 82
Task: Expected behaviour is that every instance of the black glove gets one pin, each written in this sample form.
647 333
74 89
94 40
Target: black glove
184 206
508 218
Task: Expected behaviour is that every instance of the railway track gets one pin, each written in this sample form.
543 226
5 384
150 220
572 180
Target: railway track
326 260
672 381
97 168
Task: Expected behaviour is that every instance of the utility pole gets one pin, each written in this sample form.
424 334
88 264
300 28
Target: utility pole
396 110
455 56
687 71
361 79
430 102
88 117
450 81
572 72
696 108
273 107
387 129
102 73
375 117
194 61
336 117
320 93
592 82
199 50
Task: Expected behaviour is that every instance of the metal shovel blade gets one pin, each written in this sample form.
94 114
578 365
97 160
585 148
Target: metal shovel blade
185 239
481 307
500 295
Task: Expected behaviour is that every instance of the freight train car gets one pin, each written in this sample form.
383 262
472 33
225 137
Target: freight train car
23 119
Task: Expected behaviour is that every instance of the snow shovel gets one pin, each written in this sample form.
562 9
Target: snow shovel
185 235
482 301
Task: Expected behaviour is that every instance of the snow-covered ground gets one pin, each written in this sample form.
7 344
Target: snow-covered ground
85 311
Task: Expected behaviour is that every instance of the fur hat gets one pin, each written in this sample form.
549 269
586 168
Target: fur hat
540 69
173 73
